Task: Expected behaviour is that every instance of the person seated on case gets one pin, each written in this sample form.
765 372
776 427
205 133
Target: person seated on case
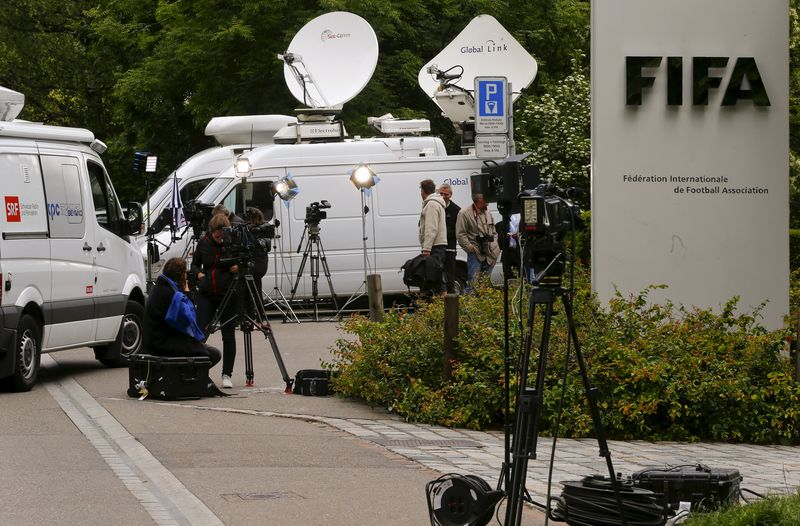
170 321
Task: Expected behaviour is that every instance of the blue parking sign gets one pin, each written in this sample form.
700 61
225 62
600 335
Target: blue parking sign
490 105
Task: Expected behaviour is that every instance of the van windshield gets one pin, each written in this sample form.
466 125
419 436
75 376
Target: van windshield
212 191
159 195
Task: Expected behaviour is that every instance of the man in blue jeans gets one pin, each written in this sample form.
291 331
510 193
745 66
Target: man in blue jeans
476 234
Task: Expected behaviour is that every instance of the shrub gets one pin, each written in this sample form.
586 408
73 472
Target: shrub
664 372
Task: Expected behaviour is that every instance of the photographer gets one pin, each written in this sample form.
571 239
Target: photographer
170 324
475 232
214 276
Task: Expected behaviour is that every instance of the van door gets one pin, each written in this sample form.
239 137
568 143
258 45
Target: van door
111 253
70 313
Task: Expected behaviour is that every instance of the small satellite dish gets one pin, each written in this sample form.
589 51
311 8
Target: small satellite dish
483 49
330 59
11 103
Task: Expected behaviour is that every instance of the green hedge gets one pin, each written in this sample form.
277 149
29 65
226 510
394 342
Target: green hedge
794 249
664 372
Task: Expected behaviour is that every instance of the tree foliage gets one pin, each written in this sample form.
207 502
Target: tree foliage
149 74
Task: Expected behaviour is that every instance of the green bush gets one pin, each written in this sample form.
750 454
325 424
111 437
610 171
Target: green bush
663 372
794 249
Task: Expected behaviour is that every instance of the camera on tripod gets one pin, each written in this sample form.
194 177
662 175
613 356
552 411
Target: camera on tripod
315 212
240 239
197 214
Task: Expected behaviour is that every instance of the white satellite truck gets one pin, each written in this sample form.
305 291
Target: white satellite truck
355 237
69 272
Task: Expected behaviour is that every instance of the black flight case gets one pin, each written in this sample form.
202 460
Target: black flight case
169 377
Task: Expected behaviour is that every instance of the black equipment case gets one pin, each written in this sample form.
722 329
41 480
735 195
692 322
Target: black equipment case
168 377
706 488
312 382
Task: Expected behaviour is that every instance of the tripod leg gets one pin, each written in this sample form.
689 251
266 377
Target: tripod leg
262 324
248 358
315 283
529 407
300 271
327 272
271 338
591 397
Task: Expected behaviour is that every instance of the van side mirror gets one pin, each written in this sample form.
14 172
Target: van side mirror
134 219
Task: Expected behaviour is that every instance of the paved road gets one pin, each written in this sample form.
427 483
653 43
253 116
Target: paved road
76 450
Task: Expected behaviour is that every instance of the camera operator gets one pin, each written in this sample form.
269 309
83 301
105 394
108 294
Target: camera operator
170 324
475 232
214 276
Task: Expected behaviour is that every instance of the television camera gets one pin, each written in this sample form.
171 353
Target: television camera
241 241
315 212
546 211
197 214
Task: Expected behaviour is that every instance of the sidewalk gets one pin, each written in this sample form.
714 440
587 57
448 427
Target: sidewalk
279 458
765 469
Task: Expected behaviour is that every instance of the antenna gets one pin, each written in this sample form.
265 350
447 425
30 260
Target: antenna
330 60
483 48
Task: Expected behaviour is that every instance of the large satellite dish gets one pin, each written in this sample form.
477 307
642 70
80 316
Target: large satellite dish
483 49
330 59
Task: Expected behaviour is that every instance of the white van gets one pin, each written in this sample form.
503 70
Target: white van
322 171
70 275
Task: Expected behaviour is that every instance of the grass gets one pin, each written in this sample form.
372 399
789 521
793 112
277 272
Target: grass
773 511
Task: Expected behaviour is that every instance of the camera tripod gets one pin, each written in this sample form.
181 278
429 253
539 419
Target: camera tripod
250 314
316 252
546 291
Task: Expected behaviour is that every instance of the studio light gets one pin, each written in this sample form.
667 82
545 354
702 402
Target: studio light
145 162
242 166
363 177
286 188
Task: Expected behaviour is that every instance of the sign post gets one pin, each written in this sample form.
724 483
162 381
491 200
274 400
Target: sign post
493 117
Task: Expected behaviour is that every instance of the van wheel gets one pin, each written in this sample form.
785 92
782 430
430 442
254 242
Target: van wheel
129 338
27 356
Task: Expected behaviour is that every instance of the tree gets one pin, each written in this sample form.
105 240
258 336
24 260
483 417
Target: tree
555 129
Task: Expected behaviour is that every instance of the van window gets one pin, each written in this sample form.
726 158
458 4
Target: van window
106 207
64 200
258 194
193 189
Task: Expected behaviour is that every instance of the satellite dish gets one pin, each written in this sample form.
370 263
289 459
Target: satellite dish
11 103
483 49
330 59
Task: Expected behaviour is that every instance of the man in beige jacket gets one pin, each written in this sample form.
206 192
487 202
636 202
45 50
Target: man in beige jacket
476 235
433 236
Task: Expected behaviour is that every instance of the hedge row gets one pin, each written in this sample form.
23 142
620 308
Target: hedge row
663 372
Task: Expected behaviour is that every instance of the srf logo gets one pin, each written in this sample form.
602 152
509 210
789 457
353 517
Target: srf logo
13 214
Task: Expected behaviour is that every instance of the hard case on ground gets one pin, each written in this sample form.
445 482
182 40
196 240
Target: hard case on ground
312 382
168 377
704 487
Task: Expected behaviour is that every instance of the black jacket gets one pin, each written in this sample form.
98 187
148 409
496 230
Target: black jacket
450 216
159 338
207 259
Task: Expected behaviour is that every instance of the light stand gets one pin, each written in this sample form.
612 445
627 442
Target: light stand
363 178
362 289
285 188
146 163
275 297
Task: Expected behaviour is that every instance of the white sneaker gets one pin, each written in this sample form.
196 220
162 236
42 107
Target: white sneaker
226 381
